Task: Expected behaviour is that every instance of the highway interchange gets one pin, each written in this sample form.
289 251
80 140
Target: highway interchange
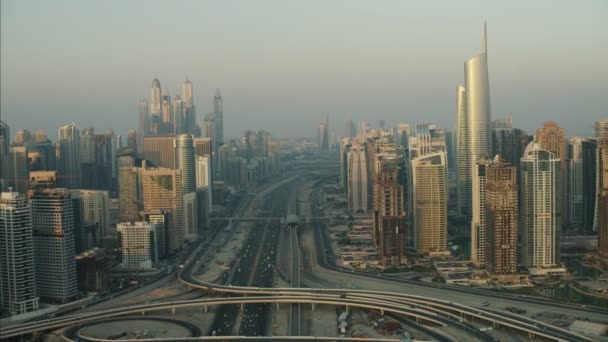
245 292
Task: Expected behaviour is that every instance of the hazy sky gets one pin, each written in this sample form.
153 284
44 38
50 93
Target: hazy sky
284 65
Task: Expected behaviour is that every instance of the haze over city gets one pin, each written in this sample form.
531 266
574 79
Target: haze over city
284 66
317 171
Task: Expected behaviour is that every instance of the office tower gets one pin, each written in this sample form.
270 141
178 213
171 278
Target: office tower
143 122
97 160
574 182
166 113
18 168
85 232
540 174
589 178
184 152
17 270
128 185
96 208
478 217
501 218
93 269
601 128
204 178
475 122
349 129
429 203
602 196
54 251
324 135
389 216
160 150
551 137
69 159
462 151
162 219
23 137
226 154
138 244
162 191
218 115
357 180
508 142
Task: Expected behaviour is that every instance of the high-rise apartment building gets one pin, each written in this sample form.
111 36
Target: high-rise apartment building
5 141
389 211
358 199
574 182
143 127
166 113
508 142
552 137
472 123
178 115
69 158
129 185
345 146
17 270
501 218
138 244
189 113
602 196
162 190
204 178
478 218
54 250
540 175
590 174
429 203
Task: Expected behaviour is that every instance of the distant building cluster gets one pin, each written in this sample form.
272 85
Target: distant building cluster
74 209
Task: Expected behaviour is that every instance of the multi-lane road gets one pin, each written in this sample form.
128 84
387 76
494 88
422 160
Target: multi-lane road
249 289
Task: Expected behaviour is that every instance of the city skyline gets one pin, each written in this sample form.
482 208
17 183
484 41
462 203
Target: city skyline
316 70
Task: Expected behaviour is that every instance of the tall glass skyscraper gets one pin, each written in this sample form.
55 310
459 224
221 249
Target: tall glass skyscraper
218 116
473 122
68 166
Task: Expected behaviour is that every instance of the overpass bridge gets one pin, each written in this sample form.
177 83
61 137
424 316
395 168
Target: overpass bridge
289 219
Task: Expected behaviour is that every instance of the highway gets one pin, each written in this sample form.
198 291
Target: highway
294 309
240 294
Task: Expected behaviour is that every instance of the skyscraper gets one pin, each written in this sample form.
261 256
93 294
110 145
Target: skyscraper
324 135
69 159
540 174
184 152
160 150
143 128
473 122
189 113
54 251
345 146
17 270
429 207
18 168
218 115
178 115
478 219
389 209
96 208
501 218
574 182
5 136
590 175
204 178
357 180
162 190
128 185
602 196
552 137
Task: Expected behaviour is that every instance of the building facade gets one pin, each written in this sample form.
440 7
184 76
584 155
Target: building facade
138 245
